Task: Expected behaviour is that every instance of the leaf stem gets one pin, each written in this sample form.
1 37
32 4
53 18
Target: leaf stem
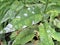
46 6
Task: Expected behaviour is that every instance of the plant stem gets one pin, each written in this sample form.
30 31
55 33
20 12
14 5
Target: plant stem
46 6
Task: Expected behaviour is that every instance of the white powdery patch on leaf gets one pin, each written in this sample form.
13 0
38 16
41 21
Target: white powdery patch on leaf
26 14
9 28
29 8
27 5
18 17
24 26
33 12
9 25
48 31
33 22
1 32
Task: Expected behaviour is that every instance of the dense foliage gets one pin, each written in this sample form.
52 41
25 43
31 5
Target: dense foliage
27 22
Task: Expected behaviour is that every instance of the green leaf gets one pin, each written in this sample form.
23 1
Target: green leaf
4 7
45 35
57 23
52 32
13 35
52 14
51 1
24 36
53 7
26 17
12 10
56 36
56 1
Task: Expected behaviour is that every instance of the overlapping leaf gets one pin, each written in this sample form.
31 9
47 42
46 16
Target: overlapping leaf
51 31
53 6
56 23
24 36
54 34
45 35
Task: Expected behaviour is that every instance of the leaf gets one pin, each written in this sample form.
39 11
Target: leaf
56 36
26 17
24 36
11 13
52 32
56 1
45 35
57 23
4 7
52 7
13 35
51 1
